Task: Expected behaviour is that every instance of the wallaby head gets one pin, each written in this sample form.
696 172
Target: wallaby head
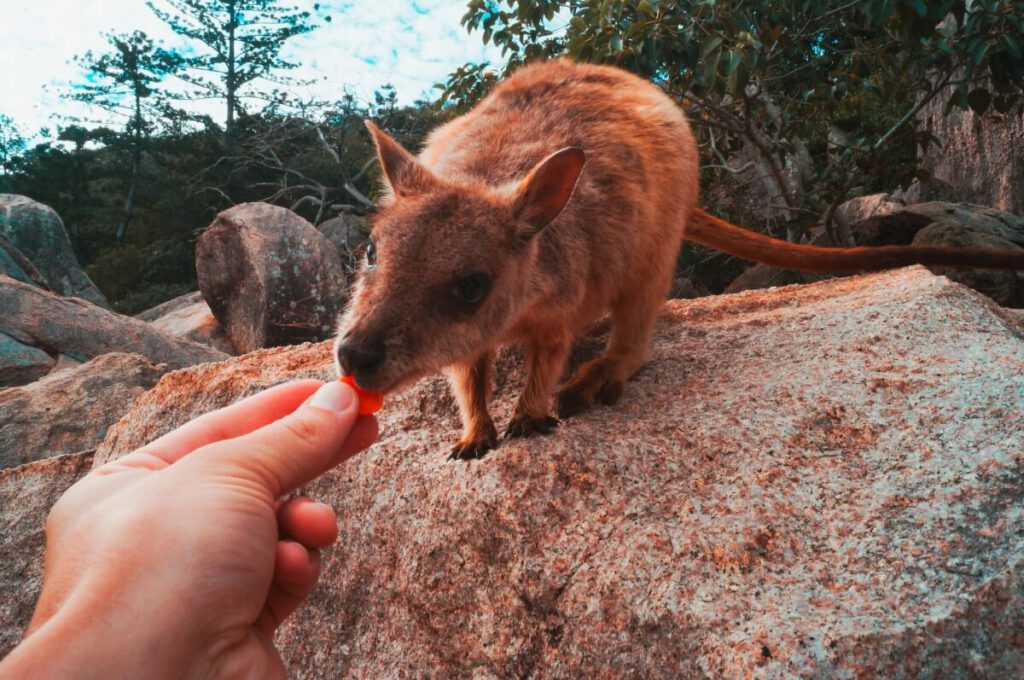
448 268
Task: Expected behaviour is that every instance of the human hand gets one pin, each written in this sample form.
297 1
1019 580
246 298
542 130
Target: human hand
179 559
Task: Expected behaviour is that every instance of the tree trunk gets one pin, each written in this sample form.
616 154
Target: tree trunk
229 128
133 179
129 200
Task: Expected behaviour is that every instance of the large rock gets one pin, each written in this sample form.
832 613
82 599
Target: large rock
885 222
863 207
13 263
269 276
21 363
26 495
760 276
818 481
81 330
173 305
1004 287
344 231
979 157
37 231
70 410
189 317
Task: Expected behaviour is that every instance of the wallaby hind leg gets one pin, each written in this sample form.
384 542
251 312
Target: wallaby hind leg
545 363
604 378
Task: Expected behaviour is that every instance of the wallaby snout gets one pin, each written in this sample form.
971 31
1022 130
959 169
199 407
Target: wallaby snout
361 358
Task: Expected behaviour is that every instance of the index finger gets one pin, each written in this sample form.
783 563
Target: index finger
232 421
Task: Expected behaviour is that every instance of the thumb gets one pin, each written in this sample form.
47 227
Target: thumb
296 449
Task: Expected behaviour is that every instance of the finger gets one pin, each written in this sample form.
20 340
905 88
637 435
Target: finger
311 524
284 455
296 570
232 421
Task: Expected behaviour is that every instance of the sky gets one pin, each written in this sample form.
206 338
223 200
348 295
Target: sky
411 44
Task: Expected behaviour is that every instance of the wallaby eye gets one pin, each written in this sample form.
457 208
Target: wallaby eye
473 288
371 255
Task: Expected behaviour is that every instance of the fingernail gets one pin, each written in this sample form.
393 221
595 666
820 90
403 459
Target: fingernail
333 396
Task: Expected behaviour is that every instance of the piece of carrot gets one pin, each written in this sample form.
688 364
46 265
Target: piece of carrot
369 401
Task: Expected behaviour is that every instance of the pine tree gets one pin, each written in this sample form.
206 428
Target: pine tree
122 82
243 41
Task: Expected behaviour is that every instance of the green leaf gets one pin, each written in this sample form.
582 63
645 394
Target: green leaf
979 51
1012 45
730 61
710 45
711 68
920 8
979 100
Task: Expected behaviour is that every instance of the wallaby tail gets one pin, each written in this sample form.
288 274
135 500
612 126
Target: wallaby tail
713 232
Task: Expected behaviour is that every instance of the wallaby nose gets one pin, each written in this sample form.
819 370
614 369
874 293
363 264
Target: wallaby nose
361 358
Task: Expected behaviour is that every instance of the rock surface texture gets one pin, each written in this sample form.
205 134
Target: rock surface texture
21 363
817 481
13 263
37 231
70 410
979 156
81 330
26 495
1003 286
863 207
191 318
269 276
344 231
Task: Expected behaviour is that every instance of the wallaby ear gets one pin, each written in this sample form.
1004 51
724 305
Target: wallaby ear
547 188
402 172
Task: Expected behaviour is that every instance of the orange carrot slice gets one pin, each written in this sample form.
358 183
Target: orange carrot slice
369 401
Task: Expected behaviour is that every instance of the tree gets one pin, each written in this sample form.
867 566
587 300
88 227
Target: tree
314 157
820 96
243 39
122 82
11 143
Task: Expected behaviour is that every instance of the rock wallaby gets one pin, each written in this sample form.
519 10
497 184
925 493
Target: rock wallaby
564 194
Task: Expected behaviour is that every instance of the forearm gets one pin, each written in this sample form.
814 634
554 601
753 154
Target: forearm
104 643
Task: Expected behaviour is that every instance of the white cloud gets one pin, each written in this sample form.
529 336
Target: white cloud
411 44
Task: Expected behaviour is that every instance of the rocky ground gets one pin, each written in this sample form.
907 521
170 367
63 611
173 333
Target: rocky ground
822 480
817 481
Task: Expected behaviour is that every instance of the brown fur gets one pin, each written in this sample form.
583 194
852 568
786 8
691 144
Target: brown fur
495 192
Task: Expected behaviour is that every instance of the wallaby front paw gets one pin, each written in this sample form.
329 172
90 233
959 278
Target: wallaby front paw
475 446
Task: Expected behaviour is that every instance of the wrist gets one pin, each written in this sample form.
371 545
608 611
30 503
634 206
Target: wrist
112 640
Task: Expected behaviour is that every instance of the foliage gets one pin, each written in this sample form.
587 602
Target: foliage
11 144
242 42
815 96
123 82
798 103
302 160
316 159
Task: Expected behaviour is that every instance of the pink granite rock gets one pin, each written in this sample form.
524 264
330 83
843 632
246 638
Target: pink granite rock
70 410
269 276
26 495
80 329
814 481
189 317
